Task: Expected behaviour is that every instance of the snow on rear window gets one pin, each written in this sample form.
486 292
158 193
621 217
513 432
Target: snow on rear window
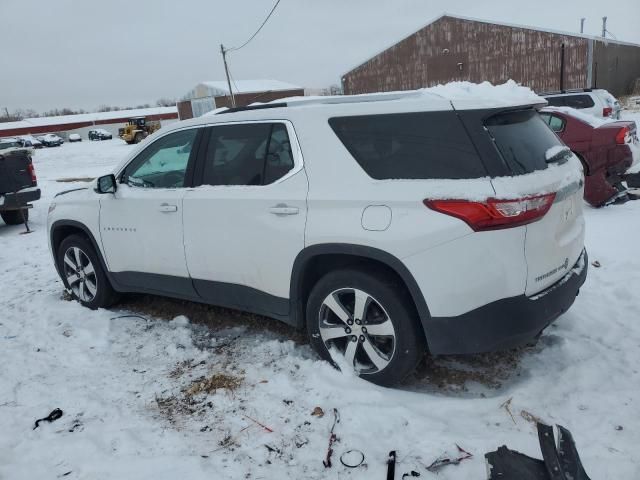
554 151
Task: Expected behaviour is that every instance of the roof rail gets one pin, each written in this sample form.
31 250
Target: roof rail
362 98
253 107
331 100
570 90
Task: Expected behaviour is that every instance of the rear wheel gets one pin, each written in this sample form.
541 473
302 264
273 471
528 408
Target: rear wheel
14 217
358 319
138 138
82 273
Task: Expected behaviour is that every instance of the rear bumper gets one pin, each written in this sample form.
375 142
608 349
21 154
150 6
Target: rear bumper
506 323
14 201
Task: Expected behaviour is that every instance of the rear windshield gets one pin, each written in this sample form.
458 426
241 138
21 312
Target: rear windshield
523 139
410 145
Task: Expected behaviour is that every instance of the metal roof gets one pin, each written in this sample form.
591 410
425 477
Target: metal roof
86 117
492 22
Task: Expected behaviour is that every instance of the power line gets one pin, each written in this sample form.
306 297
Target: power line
233 80
257 31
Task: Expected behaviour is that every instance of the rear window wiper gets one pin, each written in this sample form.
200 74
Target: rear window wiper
558 154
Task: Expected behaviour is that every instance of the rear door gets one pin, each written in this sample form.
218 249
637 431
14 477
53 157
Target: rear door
245 224
540 163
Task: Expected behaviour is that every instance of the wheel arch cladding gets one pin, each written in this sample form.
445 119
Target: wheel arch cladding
315 261
64 228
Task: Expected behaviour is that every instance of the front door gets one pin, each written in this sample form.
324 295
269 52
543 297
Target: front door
245 225
141 224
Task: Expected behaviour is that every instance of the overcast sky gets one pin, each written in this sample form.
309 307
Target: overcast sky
84 53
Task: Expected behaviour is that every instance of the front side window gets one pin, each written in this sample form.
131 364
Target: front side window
247 154
163 164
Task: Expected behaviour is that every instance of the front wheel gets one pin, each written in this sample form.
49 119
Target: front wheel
359 319
82 273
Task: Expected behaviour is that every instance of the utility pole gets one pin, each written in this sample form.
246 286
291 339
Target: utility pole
226 70
582 24
604 27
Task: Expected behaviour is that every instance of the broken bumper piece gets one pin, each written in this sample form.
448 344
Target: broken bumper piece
559 463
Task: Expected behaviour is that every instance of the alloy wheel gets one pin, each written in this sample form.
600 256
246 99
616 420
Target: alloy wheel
355 325
80 274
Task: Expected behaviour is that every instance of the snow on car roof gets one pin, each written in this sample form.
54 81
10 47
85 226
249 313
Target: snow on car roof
462 95
458 95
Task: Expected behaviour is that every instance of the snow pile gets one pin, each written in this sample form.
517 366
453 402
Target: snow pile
508 93
461 94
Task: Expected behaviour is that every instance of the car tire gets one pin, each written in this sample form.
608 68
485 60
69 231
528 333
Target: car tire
89 284
14 217
385 357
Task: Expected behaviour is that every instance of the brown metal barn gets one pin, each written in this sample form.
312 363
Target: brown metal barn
456 48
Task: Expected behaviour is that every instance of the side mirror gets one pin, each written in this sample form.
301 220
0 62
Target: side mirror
106 184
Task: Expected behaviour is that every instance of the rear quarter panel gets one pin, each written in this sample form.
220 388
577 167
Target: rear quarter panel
456 269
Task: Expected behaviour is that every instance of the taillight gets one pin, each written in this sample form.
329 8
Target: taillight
494 214
32 172
623 136
607 111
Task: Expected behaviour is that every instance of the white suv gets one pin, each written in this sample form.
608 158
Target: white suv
597 102
386 225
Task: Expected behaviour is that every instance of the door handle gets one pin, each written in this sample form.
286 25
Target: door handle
165 207
282 209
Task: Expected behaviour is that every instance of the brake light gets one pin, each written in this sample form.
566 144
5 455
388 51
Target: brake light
607 111
494 214
32 172
623 136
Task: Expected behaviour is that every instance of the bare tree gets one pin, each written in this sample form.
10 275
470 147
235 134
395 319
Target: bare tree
166 102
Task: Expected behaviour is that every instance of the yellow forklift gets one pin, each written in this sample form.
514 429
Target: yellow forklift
137 129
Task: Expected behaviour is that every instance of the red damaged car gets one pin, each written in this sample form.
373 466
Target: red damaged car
603 146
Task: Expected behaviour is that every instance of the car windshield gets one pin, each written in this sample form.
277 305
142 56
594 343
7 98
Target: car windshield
523 139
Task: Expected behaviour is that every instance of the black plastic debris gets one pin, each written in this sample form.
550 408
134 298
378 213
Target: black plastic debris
560 462
391 465
445 459
52 417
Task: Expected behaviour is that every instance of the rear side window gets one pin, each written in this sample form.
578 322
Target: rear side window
555 101
579 101
410 145
523 139
573 101
247 154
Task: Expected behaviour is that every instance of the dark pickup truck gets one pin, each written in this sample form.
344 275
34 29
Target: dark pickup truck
18 183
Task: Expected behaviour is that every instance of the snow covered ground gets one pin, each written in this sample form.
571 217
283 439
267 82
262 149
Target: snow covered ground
134 390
